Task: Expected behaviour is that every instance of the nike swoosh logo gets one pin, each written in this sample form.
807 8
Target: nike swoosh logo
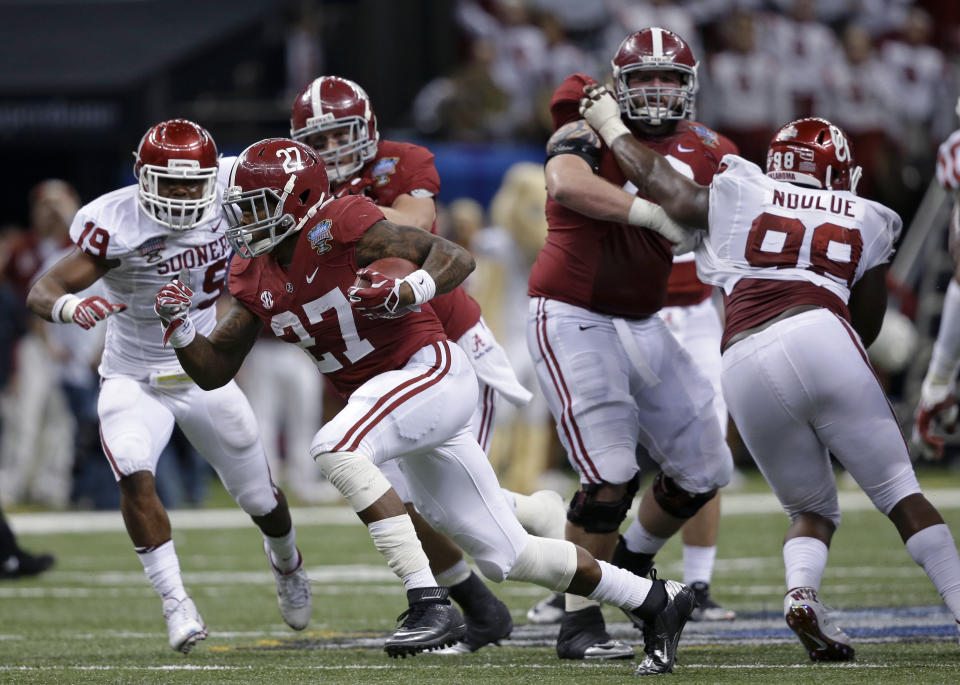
313 275
681 148
583 328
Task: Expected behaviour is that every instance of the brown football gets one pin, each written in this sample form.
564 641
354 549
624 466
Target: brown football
395 267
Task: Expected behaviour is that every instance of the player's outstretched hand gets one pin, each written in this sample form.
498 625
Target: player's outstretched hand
172 304
602 112
936 415
378 300
89 312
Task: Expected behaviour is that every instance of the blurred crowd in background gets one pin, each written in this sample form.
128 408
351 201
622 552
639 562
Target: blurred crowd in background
884 70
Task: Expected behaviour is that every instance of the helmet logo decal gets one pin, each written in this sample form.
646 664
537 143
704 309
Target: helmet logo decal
840 147
266 297
289 163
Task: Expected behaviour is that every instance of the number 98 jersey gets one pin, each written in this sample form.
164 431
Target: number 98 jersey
145 255
773 245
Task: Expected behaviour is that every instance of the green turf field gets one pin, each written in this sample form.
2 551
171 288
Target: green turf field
95 619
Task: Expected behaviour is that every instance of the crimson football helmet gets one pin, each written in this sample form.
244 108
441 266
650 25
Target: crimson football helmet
275 187
813 152
329 103
176 150
655 49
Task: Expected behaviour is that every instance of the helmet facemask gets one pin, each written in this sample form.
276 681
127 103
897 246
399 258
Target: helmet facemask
269 226
177 213
656 104
343 161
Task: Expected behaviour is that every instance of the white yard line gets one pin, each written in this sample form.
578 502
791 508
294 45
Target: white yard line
48 523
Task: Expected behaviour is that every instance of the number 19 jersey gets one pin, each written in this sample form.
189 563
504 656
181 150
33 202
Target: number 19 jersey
774 245
147 255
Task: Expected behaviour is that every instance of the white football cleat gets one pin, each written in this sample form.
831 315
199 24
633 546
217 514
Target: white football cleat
294 596
184 625
548 610
809 619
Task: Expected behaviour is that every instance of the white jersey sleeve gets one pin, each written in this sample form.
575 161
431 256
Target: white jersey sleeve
767 229
145 255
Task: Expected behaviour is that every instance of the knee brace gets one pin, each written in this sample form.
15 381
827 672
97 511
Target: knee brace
355 476
601 517
675 500
546 562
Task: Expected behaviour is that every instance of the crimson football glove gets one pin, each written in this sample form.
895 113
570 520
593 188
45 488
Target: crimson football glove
380 299
94 309
172 304
936 415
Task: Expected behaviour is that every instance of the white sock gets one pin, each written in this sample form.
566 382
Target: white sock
422 578
457 573
620 588
283 551
576 602
163 569
698 563
804 560
935 552
639 540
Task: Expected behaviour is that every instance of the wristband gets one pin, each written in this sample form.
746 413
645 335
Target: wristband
64 308
183 334
612 129
645 213
422 285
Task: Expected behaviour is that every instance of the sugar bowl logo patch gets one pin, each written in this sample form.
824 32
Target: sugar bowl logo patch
320 236
708 137
151 248
383 169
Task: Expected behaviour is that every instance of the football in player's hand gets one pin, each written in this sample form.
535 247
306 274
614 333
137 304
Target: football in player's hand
394 267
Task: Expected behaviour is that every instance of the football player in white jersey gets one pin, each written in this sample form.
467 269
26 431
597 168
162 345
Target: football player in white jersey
133 240
802 262
937 409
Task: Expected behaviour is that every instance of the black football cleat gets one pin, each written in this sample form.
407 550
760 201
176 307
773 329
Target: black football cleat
707 609
430 622
22 564
661 632
488 619
583 635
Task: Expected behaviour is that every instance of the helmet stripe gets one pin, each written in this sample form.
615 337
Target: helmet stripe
316 104
656 34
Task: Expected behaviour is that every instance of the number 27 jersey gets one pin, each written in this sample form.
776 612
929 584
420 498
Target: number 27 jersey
773 245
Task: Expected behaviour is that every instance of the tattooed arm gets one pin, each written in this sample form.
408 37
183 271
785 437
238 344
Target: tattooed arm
213 360
573 158
446 262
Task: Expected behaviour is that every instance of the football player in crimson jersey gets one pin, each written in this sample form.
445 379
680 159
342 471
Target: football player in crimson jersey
132 239
410 393
613 374
937 410
802 261
334 115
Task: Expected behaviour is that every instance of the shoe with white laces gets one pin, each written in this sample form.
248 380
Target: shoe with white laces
548 610
661 633
809 619
184 625
707 609
294 596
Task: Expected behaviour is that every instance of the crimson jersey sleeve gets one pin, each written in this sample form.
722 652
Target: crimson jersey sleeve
417 170
565 103
350 217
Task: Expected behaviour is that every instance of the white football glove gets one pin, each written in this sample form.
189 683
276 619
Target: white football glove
86 313
602 112
936 415
172 305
